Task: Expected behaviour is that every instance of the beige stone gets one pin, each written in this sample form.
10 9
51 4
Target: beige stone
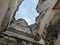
7 11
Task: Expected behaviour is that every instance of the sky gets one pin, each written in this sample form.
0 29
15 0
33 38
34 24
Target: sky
27 11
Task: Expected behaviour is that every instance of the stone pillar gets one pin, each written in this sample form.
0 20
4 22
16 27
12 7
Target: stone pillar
3 8
46 9
8 8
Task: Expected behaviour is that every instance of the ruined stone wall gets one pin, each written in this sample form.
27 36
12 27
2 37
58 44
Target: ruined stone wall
3 8
47 15
7 10
21 25
48 22
14 41
45 9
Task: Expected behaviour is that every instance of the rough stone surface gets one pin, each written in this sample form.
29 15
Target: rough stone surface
8 8
47 26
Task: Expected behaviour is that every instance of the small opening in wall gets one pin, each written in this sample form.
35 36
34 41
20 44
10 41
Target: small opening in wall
27 11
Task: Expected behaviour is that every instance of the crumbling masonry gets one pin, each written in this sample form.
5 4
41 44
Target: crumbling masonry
18 32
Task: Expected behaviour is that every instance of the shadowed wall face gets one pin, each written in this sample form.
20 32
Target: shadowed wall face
3 8
57 6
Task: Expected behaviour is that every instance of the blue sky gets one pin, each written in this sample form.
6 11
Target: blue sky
27 11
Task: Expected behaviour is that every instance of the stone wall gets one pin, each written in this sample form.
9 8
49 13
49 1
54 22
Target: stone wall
3 8
49 16
7 10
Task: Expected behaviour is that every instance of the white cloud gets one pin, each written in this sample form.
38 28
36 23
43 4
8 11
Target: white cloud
28 21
